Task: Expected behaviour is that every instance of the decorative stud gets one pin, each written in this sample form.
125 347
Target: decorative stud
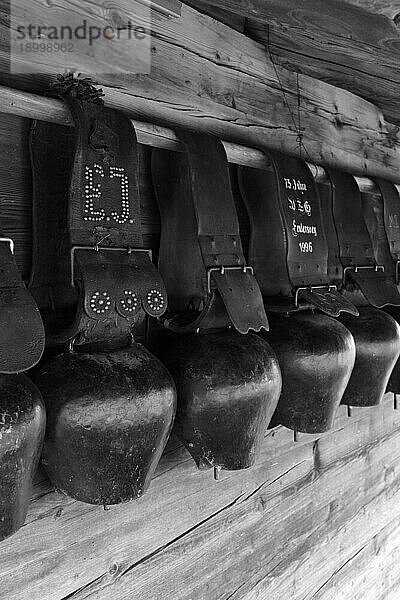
130 301
120 173
100 303
156 300
92 193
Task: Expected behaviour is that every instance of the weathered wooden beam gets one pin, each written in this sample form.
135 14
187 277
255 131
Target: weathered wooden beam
51 110
341 42
227 17
208 77
256 8
32 106
389 8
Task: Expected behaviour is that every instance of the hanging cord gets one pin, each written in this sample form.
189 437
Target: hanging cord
297 125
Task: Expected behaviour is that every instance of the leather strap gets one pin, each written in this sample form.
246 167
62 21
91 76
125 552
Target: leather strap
201 256
21 326
384 211
361 270
89 261
288 246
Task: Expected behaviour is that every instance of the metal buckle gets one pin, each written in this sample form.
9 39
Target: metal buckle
10 243
311 288
98 248
222 270
376 268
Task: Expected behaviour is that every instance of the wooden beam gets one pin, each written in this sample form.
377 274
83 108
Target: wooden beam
388 8
51 110
227 17
208 77
256 8
340 42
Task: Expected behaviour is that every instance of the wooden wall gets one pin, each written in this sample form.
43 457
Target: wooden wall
315 519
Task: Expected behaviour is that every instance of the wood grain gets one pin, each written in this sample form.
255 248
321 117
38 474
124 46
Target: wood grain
351 44
290 527
227 17
208 77
389 8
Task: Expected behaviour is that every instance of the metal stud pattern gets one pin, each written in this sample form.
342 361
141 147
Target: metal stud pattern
130 301
100 303
93 193
156 300
124 217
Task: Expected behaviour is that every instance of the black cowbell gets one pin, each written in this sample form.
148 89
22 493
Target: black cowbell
316 354
228 386
109 418
22 426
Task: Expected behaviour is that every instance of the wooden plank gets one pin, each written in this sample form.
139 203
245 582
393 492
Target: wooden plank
227 17
306 507
369 70
208 77
351 44
389 8
279 541
373 572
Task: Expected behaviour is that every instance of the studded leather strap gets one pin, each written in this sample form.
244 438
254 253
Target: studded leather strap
92 276
201 257
288 246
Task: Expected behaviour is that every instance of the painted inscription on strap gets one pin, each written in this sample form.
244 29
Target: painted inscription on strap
299 213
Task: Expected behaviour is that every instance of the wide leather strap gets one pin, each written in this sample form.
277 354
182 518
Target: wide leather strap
288 247
384 211
89 261
361 270
201 255
21 326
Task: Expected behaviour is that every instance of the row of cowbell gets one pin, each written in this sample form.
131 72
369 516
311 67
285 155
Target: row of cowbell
104 440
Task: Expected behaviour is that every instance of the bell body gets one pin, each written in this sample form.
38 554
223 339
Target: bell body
109 418
316 354
22 426
394 380
377 338
228 386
